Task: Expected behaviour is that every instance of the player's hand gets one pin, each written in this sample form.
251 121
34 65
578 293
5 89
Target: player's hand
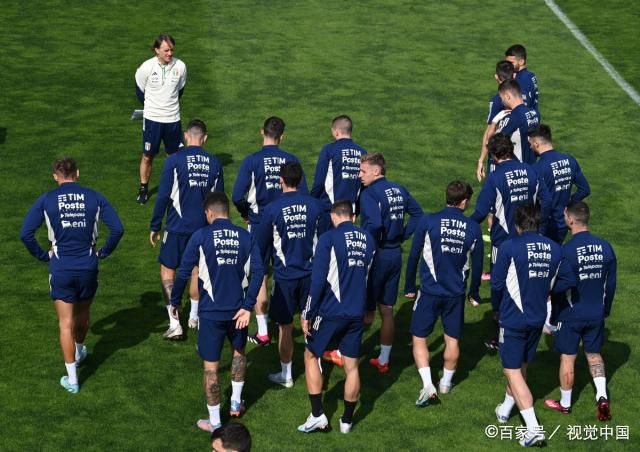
480 170
154 237
410 295
305 327
174 312
242 318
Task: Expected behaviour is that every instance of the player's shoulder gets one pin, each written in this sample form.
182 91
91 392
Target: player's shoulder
178 63
148 64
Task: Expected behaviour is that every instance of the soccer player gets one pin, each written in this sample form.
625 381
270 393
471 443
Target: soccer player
187 177
517 55
335 310
230 272
510 185
560 173
447 243
160 83
257 184
587 277
338 168
231 437
72 213
504 71
518 122
522 278
383 208
289 227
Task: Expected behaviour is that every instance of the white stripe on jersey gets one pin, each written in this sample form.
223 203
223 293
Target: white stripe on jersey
332 277
513 286
466 263
251 196
51 234
517 144
175 193
277 245
247 270
94 236
203 274
427 255
328 182
502 220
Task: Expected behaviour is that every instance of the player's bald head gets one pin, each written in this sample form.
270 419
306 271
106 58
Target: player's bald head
342 124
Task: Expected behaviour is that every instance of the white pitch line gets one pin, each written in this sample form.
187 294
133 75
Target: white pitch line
633 94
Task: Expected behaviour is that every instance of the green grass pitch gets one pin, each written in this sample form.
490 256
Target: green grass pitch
415 76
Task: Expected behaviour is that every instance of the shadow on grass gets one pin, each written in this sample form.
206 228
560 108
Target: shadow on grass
125 328
3 135
543 377
225 158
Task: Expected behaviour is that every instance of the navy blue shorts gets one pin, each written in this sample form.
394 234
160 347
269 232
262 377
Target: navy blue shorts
346 332
427 309
155 132
287 295
569 335
172 248
384 278
72 287
211 334
555 233
518 346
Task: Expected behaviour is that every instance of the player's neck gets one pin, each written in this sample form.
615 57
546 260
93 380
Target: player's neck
270 142
577 228
286 189
546 148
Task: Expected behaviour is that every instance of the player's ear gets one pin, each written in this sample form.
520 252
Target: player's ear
186 137
55 177
262 132
204 140
77 174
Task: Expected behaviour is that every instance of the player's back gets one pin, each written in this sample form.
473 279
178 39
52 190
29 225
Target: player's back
349 251
516 125
522 277
339 177
259 180
512 184
292 224
393 202
449 238
225 261
187 177
588 274
560 172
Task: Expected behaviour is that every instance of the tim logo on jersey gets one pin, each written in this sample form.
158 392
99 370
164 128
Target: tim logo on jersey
227 245
396 203
72 210
272 172
539 259
590 262
356 248
295 219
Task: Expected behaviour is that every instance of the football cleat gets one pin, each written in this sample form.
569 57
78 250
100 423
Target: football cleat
237 408
73 389
193 323
314 423
174 334
344 427
260 341
557 406
443 388
279 379
382 368
532 439
143 196
604 412
500 417
332 356
486 276
492 344
473 302
428 396
80 357
207 426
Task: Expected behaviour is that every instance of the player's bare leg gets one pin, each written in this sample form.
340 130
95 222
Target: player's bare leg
313 376
285 350
596 368
518 389
261 338
567 377
451 355
81 316
386 338
238 372
212 396
167 277
146 164
428 394
351 391
67 344
195 299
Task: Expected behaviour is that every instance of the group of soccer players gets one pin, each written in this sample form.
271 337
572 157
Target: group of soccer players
336 273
